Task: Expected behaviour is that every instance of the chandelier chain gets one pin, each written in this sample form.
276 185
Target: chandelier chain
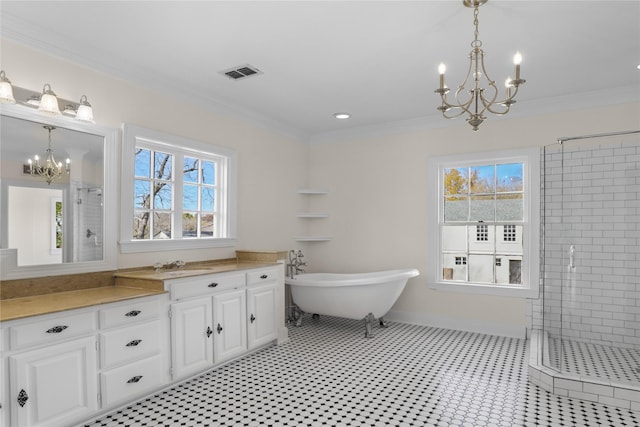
476 42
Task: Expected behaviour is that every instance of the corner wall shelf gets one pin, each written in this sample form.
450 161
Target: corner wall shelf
312 215
312 238
311 191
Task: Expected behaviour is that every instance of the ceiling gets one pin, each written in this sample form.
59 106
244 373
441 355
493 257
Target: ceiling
376 60
22 139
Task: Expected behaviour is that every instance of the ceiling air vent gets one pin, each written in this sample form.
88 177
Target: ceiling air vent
237 73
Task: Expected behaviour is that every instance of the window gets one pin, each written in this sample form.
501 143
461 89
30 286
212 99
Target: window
509 233
178 193
56 227
487 224
482 233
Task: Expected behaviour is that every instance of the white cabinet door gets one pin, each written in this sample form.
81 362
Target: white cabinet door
230 326
55 385
191 330
261 312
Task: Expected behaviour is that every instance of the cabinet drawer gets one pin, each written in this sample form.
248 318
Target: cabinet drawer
262 276
202 285
130 343
130 313
51 330
123 383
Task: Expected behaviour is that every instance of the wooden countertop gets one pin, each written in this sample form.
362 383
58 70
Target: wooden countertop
129 285
18 308
194 270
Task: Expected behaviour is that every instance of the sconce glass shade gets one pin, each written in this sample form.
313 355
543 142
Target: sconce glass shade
49 102
6 90
84 112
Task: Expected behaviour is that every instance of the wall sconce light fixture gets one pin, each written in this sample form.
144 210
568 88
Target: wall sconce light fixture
46 102
6 90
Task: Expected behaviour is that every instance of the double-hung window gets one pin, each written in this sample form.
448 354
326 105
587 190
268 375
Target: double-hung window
176 193
486 222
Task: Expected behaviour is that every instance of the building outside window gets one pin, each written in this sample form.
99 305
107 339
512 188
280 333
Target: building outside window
486 217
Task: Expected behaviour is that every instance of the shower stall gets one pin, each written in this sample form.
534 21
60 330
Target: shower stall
88 224
590 208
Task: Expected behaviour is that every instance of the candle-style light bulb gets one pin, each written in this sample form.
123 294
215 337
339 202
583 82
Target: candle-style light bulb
508 84
517 60
442 69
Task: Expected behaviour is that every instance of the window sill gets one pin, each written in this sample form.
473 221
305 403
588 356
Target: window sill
474 288
132 246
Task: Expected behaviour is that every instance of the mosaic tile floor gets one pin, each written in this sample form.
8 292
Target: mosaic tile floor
599 361
330 375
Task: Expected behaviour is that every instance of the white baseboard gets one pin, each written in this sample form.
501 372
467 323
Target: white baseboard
448 322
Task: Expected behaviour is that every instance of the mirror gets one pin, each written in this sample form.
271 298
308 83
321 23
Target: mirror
65 226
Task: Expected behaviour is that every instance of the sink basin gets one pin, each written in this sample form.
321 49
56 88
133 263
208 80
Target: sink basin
183 273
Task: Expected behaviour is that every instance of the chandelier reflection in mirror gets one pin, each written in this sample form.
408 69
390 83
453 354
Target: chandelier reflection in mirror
481 99
49 169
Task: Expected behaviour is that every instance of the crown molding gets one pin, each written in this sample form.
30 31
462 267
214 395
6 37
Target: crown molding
532 108
23 32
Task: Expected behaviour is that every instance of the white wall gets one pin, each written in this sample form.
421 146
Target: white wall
270 164
379 213
31 224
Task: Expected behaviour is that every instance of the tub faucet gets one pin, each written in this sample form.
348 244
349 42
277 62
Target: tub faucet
295 263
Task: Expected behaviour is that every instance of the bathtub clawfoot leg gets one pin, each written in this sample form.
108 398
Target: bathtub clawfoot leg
297 316
383 323
368 321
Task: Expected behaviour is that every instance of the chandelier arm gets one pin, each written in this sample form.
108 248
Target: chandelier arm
506 103
463 106
453 116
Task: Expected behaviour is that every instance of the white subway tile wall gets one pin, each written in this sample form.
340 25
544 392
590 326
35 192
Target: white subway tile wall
592 203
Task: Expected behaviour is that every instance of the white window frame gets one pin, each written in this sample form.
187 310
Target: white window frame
226 210
54 250
530 157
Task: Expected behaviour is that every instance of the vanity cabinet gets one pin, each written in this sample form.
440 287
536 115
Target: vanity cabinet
133 350
54 385
63 367
218 317
230 321
52 369
261 308
191 348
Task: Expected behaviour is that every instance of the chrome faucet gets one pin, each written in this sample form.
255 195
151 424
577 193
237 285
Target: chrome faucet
295 263
158 266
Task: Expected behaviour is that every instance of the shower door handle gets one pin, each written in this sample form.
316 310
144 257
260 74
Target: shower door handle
572 253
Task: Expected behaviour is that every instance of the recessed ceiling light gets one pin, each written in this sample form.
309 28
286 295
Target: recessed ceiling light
341 116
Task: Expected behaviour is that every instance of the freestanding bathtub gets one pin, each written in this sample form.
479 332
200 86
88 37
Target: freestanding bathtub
366 296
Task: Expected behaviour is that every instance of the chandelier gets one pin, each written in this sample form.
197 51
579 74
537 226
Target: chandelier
480 99
49 169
